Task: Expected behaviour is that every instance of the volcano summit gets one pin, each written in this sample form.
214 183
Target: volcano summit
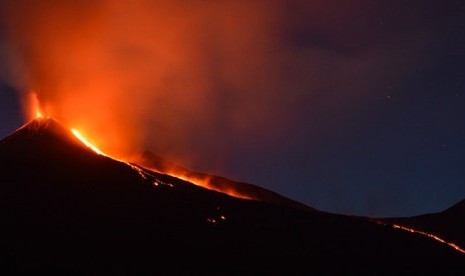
65 208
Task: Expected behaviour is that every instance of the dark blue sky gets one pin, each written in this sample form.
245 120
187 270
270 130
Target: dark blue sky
369 106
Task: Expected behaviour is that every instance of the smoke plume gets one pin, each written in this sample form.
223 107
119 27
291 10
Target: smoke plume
199 81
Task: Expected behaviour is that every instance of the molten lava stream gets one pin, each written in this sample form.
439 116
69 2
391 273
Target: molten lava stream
98 151
87 143
429 235
35 111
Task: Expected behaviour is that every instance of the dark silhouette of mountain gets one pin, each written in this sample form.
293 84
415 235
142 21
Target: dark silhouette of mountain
218 183
65 209
448 224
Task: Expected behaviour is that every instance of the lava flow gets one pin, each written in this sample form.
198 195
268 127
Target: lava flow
37 113
203 182
429 235
87 143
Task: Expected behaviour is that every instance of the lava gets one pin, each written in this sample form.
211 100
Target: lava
426 234
204 181
199 181
35 111
87 143
78 135
429 235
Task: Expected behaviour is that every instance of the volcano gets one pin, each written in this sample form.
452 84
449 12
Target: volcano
67 209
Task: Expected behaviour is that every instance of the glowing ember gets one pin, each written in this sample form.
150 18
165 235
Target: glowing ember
211 220
87 143
159 182
137 169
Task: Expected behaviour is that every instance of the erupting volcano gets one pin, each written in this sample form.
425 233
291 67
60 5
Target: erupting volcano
158 164
67 206
143 121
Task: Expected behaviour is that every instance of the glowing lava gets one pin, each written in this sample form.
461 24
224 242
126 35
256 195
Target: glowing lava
204 181
35 111
39 114
429 235
195 180
98 151
85 142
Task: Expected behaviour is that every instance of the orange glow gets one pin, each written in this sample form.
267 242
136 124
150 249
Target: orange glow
152 75
199 181
205 182
87 143
34 108
98 151
137 75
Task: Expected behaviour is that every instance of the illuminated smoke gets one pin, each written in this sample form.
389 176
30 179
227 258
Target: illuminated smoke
143 74
193 80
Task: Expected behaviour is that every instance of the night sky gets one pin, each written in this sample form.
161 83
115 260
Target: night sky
354 108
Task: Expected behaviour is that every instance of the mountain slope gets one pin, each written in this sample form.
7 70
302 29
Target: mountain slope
218 183
448 224
65 209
